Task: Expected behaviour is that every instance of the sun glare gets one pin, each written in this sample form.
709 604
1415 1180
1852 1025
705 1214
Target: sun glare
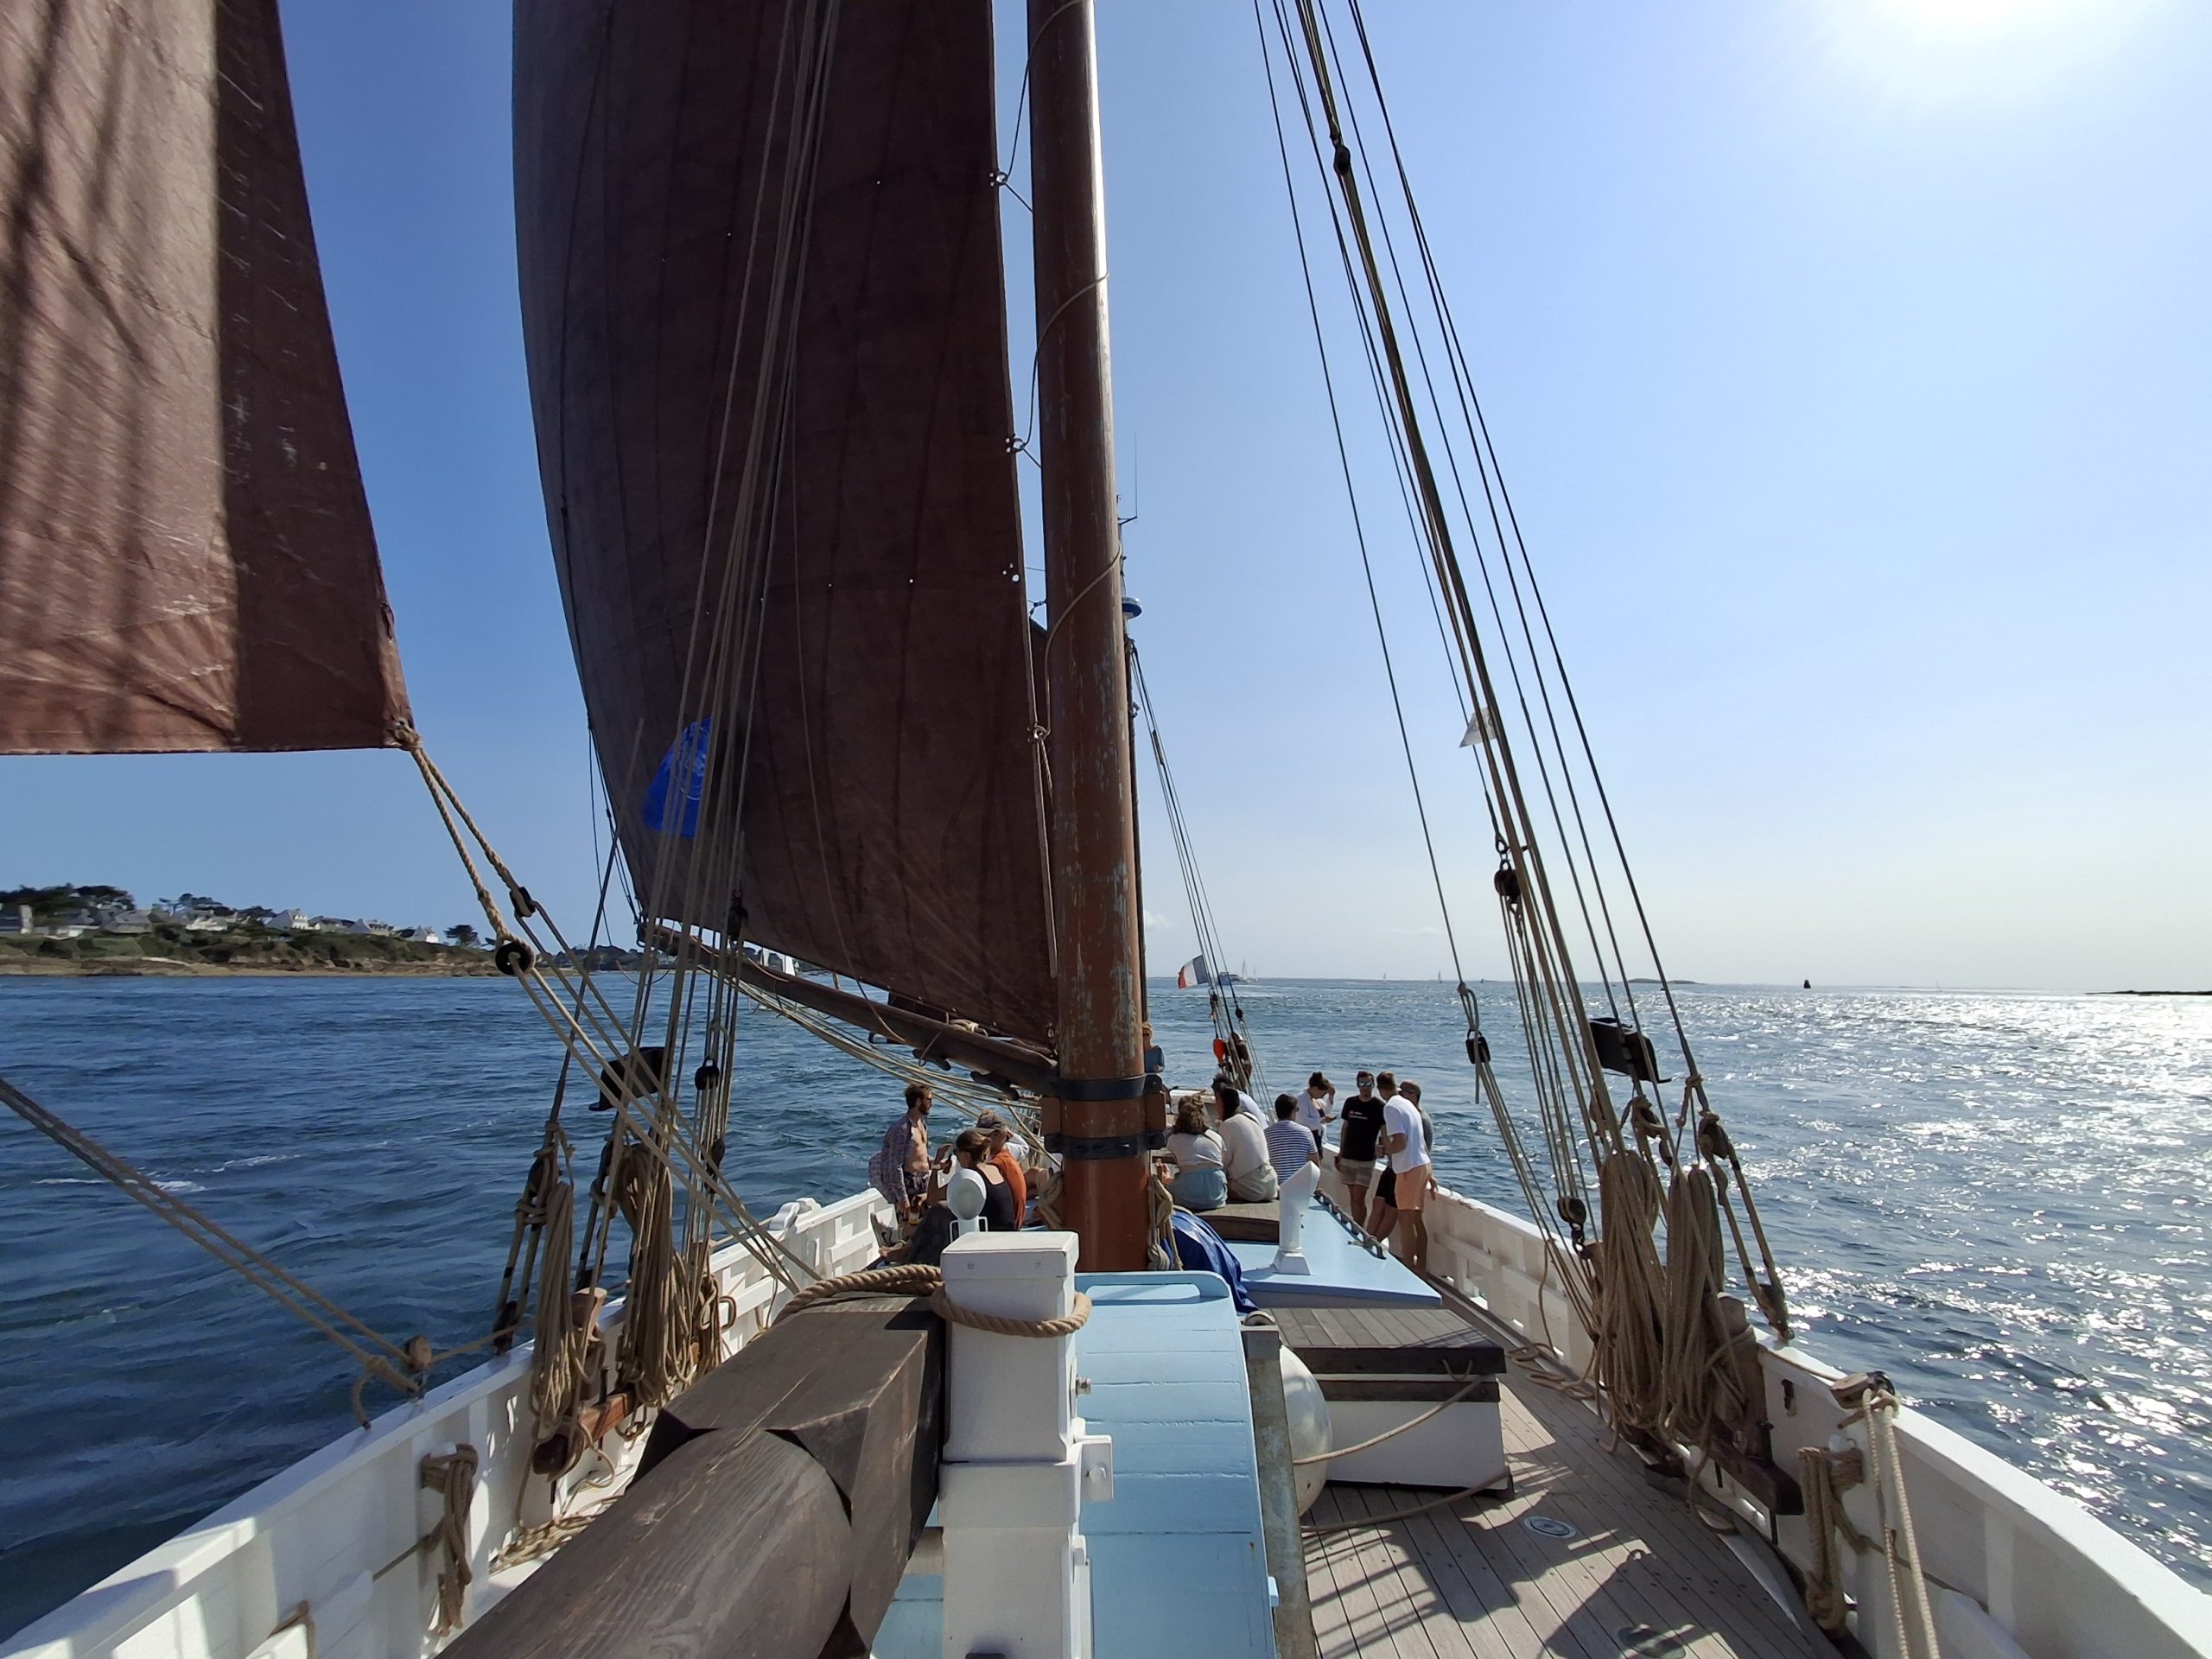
1977 51
1954 18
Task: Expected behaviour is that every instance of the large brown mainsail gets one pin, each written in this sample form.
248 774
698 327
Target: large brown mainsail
185 555
764 309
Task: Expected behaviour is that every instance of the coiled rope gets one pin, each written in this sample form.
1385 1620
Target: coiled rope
451 1475
918 1281
1630 1349
1827 1474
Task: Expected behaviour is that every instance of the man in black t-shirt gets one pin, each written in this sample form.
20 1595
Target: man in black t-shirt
1362 1128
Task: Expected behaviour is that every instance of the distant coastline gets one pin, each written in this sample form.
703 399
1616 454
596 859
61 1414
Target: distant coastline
2152 993
171 953
95 931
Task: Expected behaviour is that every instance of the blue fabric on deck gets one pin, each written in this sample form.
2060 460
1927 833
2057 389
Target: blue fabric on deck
1201 1250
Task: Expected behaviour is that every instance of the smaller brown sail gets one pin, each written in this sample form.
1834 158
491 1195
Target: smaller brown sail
186 556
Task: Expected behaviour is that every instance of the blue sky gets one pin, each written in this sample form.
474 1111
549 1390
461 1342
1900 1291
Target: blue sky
1852 368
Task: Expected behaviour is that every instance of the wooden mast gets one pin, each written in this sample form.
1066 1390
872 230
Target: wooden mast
1097 1125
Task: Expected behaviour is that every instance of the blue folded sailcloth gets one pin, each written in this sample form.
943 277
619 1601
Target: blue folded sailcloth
1201 1250
672 798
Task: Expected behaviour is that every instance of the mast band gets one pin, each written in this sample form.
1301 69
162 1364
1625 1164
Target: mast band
1089 1089
1088 1148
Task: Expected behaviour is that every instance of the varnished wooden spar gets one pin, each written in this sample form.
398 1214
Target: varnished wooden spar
931 1039
772 1513
1098 1129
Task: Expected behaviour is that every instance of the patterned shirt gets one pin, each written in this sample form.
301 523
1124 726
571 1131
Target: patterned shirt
891 1173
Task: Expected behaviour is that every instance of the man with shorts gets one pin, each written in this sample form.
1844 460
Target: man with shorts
1406 1187
1357 1138
901 1168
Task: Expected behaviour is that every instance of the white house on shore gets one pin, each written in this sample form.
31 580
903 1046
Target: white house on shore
296 921
424 936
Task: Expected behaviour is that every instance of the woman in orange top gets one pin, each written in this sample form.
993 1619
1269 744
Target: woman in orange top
1009 1166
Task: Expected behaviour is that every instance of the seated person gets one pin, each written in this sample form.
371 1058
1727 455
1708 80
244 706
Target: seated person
1229 1099
1200 1181
1006 1160
972 1150
1245 1159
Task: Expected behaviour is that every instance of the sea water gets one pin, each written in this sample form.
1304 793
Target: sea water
1999 1198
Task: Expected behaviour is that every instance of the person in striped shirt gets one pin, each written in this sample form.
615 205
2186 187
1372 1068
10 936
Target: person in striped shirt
1291 1144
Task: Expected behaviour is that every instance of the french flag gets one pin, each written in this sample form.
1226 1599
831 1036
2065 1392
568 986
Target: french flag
1193 972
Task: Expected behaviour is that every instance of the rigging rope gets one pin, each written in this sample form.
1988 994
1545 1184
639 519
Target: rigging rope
1231 1025
451 1476
1828 1473
1671 1350
406 1366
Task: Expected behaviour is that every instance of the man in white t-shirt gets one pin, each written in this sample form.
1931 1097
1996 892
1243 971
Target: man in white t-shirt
1403 1191
1245 1159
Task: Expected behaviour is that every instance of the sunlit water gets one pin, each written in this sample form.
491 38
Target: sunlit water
1999 1198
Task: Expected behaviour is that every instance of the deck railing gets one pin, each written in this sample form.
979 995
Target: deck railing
2021 1570
328 1560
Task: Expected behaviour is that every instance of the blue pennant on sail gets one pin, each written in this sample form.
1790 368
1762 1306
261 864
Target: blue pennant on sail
686 758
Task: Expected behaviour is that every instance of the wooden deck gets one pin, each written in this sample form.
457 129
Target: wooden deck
1642 1576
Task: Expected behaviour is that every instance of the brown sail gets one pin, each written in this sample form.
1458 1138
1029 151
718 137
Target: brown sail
764 310
186 556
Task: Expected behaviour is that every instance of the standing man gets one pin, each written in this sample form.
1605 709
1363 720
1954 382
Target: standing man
1411 1090
1406 1184
1291 1144
1313 1103
901 1168
1356 1143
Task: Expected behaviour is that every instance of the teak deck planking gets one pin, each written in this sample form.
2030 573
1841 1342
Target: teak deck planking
1470 1582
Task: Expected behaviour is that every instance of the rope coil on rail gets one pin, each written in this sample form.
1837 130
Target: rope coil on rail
451 1475
912 1279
